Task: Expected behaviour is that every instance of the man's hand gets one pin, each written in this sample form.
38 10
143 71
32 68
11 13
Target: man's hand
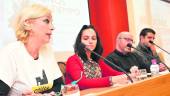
134 71
153 49
162 67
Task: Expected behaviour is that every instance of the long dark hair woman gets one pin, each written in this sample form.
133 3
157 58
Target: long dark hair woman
95 72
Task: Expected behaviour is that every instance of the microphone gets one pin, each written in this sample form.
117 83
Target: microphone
83 46
130 45
159 47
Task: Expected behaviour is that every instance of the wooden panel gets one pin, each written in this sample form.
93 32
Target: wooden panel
155 86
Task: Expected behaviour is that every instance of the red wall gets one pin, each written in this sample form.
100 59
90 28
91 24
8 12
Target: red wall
109 17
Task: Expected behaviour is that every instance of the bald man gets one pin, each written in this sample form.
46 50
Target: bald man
123 55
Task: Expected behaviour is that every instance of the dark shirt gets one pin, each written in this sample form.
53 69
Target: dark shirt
126 61
147 54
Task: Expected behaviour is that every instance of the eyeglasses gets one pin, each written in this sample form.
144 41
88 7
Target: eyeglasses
128 39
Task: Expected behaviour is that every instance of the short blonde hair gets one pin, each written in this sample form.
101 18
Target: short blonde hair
28 12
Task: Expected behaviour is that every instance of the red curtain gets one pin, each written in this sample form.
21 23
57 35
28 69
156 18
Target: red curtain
109 17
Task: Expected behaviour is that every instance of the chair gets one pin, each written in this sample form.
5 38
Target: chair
62 66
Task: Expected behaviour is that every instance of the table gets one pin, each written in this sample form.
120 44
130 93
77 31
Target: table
154 86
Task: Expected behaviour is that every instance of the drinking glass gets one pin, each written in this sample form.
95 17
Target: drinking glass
143 74
71 90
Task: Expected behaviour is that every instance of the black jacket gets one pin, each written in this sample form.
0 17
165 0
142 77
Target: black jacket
147 54
126 61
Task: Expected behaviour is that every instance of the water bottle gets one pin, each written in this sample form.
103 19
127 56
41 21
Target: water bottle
154 68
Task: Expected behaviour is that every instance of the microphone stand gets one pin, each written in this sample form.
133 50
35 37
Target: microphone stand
112 64
159 47
130 45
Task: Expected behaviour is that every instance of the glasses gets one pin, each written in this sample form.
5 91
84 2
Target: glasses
70 90
128 39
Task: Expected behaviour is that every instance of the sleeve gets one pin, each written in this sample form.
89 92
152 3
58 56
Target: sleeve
109 58
113 59
8 68
142 64
4 89
108 71
74 68
7 71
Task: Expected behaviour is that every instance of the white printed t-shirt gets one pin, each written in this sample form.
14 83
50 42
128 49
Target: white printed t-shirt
21 72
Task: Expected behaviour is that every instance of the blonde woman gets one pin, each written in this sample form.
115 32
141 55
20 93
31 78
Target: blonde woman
28 65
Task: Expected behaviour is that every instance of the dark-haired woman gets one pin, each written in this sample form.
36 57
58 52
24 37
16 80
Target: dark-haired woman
95 72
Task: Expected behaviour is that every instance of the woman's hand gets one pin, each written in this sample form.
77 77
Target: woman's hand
31 93
120 80
27 93
52 93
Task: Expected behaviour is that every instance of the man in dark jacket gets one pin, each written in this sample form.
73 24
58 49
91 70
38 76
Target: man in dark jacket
123 55
148 50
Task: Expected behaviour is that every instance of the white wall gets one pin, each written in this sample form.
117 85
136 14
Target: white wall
68 17
154 14
161 23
